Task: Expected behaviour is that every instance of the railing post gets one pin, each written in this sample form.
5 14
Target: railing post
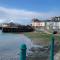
23 52
52 45
52 48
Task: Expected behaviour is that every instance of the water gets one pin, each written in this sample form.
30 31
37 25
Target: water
10 43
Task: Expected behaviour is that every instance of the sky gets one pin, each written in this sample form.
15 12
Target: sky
23 11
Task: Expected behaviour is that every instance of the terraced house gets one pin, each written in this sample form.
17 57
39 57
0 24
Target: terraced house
53 23
36 23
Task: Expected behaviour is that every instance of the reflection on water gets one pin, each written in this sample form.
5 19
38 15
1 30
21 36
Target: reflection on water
9 43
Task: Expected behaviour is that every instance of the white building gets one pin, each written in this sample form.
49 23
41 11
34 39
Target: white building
38 23
53 23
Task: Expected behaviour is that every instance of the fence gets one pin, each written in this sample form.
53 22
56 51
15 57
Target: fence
22 55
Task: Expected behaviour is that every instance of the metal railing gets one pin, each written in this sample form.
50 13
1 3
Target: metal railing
22 55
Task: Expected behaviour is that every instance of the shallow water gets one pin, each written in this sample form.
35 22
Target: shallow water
10 43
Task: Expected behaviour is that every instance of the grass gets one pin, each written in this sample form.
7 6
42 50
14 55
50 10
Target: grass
41 37
37 35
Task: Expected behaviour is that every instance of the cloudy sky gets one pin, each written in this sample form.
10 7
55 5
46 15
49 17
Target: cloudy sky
23 11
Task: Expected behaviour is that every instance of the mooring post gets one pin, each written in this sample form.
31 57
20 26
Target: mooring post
52 48
23 52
